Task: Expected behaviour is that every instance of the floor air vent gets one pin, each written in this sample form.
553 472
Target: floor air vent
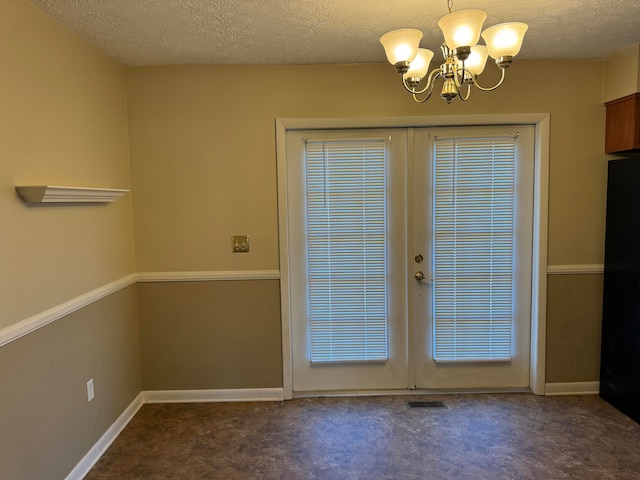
436 404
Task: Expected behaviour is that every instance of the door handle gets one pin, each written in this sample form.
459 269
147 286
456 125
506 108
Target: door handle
419 276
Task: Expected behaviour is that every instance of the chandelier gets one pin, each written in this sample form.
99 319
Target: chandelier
464 58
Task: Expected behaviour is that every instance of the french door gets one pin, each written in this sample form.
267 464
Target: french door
473 215
410 258
316 157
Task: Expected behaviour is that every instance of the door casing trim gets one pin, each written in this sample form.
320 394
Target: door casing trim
541 123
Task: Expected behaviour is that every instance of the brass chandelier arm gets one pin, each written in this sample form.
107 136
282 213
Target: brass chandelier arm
490 88
431 80
459 77
430 84
464 98
417 100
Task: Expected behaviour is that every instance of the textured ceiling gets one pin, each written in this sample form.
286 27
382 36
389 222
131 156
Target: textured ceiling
165 32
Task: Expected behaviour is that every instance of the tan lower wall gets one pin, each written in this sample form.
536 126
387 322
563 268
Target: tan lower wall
226 334
211 334
46 423
574 319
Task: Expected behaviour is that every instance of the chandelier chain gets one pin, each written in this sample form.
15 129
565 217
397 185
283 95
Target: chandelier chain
449 5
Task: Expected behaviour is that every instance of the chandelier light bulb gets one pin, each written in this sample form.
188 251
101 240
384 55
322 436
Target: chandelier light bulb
403 52
505 39
462 28
477 60
401 46
420 64
463 35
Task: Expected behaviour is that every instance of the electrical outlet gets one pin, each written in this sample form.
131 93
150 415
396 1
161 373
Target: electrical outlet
90 392
240 243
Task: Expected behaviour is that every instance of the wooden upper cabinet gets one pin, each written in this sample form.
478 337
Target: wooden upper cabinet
623 124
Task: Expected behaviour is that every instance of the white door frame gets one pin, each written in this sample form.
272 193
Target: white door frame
541 122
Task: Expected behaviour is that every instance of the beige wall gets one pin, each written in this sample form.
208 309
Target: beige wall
621 74
638 63
204 168
203 151
62 122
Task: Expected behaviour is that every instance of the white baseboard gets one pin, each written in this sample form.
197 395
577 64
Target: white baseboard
101 446
168 396
572 388
215 395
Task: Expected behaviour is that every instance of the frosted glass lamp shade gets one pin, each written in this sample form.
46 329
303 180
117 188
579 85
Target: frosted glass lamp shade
401 45
505 39
462 28
420 64
477 60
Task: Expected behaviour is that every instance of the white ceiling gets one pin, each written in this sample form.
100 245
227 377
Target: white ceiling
165 32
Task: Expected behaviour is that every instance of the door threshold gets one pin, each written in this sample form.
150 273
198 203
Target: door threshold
380 393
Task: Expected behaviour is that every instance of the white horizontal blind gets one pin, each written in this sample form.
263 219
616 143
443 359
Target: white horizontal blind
346 223
473 248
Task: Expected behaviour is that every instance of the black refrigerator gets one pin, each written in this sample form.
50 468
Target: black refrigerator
620 361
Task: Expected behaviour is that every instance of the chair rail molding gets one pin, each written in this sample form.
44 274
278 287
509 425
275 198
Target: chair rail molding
575 269
204 276
28 325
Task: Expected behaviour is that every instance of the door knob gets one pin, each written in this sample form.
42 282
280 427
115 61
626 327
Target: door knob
419 276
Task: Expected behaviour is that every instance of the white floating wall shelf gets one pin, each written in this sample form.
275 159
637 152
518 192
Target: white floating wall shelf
53 194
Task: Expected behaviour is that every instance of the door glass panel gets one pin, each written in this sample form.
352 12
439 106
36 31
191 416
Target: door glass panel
473 248
346 224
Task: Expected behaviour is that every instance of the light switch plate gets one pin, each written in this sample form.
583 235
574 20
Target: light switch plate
90 391
240 243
